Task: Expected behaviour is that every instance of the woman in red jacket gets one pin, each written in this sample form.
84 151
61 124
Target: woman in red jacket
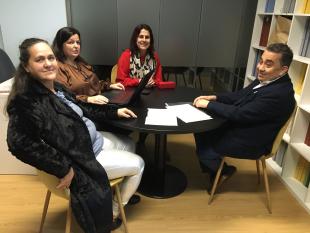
139 59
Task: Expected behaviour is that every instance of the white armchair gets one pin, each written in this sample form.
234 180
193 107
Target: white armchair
8 163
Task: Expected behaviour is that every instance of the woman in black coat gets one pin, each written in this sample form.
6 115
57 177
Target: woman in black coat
47 132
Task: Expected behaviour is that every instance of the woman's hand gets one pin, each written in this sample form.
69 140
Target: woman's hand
65 182
126 113
150 83
97 99
117 86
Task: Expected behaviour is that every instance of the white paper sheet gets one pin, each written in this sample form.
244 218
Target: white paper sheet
188 113
157 116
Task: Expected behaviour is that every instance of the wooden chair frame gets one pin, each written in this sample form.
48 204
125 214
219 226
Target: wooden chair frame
263 158
51 182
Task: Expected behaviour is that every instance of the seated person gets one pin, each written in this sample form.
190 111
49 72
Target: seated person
137 61
79 77
254 114
74 72
53 131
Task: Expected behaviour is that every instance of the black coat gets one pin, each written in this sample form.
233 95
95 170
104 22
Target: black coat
254 117
47 134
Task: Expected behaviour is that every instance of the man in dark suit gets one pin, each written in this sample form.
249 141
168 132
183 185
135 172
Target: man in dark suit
254 114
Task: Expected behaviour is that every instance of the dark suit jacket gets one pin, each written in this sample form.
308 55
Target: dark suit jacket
254 117
47 134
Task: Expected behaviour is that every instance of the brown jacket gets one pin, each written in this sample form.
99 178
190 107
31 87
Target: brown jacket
81 80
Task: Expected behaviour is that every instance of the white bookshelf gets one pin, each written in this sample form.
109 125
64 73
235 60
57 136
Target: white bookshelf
294 138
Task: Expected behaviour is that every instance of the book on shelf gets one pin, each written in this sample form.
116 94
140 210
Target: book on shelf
298 83
298 169
307 179
258 54
292 6
265 30
285 6
269 6
305 39
307 42
281 30
307 138
302 6
305 173
307 7
279 157
288 6
302 170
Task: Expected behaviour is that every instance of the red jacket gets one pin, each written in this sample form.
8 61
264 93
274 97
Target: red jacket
123 70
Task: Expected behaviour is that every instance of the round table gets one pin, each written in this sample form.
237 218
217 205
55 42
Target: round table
159 179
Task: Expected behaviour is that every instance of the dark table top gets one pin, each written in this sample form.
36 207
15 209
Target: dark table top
156 98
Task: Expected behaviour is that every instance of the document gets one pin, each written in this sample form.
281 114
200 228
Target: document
188 113
163 116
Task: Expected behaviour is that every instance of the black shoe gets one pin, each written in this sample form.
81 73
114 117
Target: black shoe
134 199
116 224
227 172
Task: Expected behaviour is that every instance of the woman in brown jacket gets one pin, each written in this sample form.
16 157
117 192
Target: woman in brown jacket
74 72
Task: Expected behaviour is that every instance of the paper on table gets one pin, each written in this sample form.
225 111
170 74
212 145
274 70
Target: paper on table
157 116
188 113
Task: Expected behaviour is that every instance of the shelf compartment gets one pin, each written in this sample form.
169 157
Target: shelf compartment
298 189
296 35
297 73
300 128
302 149
275 167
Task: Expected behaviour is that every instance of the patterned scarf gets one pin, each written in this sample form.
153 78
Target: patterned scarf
137 70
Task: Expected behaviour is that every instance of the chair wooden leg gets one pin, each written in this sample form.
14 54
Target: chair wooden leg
217 178
121 207
266 185
68 221
258 171
46 203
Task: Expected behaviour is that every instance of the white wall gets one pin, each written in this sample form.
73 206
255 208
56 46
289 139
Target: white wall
29 18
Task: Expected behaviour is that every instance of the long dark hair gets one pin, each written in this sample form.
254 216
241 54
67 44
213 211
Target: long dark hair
22 77
133 41
61 37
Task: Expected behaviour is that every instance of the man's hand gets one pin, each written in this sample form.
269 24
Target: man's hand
203 101
97 99
126 113
65 182
205 97
117 86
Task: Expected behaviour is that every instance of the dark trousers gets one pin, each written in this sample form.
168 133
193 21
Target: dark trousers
209 159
